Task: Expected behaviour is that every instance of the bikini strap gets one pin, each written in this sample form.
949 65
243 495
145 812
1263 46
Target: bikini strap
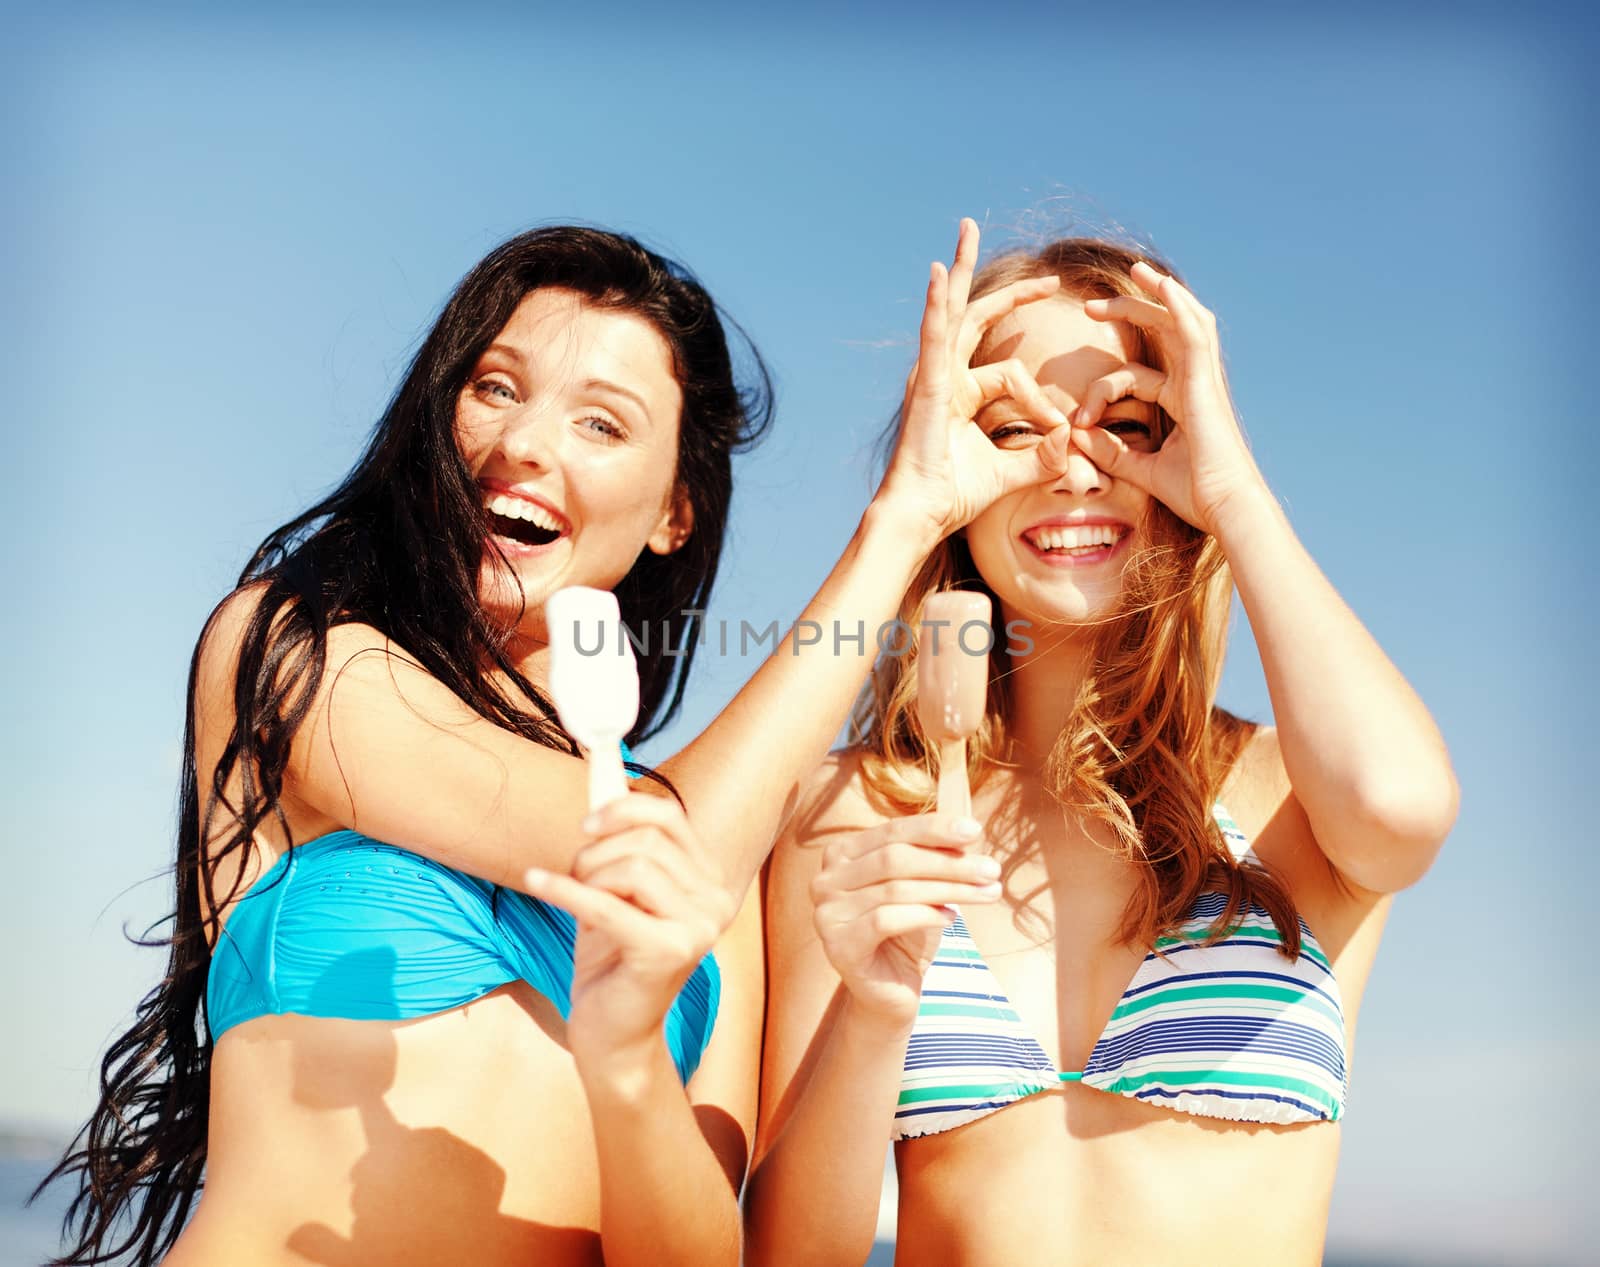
1238 842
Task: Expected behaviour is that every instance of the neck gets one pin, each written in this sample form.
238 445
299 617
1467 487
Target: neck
1044 684
531 657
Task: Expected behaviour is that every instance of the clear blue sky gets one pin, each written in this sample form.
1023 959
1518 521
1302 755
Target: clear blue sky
224 237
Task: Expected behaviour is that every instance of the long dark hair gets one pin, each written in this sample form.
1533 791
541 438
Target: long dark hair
398 545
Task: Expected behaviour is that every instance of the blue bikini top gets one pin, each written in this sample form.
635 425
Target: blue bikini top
347 926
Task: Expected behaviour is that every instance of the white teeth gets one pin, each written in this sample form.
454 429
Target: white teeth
517 508
1075 538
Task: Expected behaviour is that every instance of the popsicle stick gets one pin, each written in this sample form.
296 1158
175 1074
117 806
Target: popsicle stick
951 685
608 780
955 792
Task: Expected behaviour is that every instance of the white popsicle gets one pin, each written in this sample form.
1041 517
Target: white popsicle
594 681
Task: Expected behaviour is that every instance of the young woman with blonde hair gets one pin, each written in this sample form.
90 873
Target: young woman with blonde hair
1131 1044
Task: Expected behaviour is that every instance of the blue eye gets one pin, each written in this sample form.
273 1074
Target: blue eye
604 426
486 386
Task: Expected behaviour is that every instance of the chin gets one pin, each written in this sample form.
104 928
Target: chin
502 596
1043 609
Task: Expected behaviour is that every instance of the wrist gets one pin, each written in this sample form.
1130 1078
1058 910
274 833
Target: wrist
1245 514
624 1073
898 525
875 1026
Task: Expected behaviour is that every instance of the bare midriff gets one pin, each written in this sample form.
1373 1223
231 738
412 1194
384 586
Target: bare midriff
1081 1178
462 1137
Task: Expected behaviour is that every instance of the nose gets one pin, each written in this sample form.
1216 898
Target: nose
529 435
1082 477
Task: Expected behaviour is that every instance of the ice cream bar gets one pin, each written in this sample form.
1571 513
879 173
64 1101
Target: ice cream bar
952 683
594 681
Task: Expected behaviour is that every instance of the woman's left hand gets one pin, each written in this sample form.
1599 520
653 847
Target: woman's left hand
1204 466
650 905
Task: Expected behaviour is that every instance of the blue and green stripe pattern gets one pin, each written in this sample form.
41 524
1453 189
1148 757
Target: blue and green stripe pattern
1232 1031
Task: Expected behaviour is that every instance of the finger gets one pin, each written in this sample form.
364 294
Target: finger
854 904
594 907
1115 458
902 860
1191 317
1132 379
911 386
961 270
932 355
923 434
945 831
897 921
645 883
642 809
983 312
1046 460
1144 313
1011 378
644 842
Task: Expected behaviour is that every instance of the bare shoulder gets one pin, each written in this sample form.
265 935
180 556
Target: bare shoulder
250 650
834 799
235 622
1260 798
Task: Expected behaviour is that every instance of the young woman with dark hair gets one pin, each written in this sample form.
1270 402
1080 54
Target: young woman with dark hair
1128 1041
380 1038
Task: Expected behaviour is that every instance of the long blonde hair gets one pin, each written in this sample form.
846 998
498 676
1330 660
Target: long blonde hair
1146 749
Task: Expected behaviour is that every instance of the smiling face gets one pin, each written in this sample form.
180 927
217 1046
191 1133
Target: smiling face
569 424
1054 553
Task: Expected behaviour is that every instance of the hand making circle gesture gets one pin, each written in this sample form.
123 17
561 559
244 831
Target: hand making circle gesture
1204 466
944 467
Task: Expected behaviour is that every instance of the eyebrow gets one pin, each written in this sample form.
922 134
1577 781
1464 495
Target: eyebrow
601 384
606 385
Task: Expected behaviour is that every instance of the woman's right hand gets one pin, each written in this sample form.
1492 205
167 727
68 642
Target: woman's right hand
881 898
650 903
945 470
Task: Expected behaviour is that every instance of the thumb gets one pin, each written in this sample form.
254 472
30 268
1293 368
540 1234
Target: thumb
1112 456
1042 463
1054 450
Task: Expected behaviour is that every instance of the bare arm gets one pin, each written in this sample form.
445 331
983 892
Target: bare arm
649 904
390 751
854 918
1363 755
664 1197
1361 750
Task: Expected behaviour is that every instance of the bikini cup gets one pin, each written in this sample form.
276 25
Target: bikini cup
1232 1030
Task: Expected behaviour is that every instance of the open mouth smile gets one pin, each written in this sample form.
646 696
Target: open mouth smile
1076 545
522 526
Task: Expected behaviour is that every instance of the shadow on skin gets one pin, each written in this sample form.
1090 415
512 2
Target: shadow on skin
438 1222
1089 1113
1086 1112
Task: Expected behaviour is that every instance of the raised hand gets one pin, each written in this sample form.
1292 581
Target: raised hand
944 469
650 905
881 899
1204 466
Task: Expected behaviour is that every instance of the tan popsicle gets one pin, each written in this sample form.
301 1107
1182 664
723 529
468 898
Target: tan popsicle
952 685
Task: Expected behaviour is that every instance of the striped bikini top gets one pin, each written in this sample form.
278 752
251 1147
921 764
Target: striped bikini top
1232 1030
